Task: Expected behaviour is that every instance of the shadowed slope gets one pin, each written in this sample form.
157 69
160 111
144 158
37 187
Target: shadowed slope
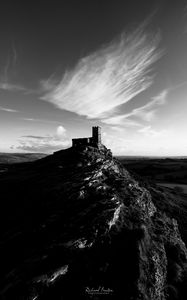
78 222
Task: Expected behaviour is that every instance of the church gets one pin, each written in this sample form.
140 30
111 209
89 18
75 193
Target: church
94 141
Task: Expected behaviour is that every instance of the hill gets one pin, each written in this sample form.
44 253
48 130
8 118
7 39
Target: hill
77 224
9 158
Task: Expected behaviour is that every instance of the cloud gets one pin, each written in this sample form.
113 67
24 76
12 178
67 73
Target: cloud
48 84
41 121
8 109
8 73
37 137
107 78
117 144
149 131
5 82
47 144
117 129
121 120
145 112
61 131
145 141
13 87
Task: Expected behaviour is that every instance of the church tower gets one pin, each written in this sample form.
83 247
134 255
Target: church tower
96 135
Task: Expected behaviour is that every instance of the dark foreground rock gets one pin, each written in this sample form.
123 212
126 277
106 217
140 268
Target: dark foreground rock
78 226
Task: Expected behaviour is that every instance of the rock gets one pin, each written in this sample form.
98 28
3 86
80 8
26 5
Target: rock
98 233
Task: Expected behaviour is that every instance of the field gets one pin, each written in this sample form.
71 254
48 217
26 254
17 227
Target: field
160 170
168 173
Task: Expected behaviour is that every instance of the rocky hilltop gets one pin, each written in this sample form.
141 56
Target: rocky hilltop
89 231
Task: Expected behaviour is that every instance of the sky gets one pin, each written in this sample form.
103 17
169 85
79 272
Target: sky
66 66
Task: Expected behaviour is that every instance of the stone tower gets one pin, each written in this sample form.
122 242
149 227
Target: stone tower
96 135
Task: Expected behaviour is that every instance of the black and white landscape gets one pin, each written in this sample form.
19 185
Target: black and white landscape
93 150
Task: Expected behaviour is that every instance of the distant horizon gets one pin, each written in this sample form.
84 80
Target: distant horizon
116 155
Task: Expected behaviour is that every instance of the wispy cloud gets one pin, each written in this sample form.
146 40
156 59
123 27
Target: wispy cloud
145 112
32 120
150 132
48 84
48 143
60 134
36 137
6 82
117 129
121 120
117 144
41 121
8 109
12 87
107 78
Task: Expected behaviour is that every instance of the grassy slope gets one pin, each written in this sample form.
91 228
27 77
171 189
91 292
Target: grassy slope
9 158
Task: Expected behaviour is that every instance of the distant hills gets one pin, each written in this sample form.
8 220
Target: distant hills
134 157
10 158
170 170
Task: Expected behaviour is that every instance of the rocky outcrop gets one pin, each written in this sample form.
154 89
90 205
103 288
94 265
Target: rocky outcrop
101 234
